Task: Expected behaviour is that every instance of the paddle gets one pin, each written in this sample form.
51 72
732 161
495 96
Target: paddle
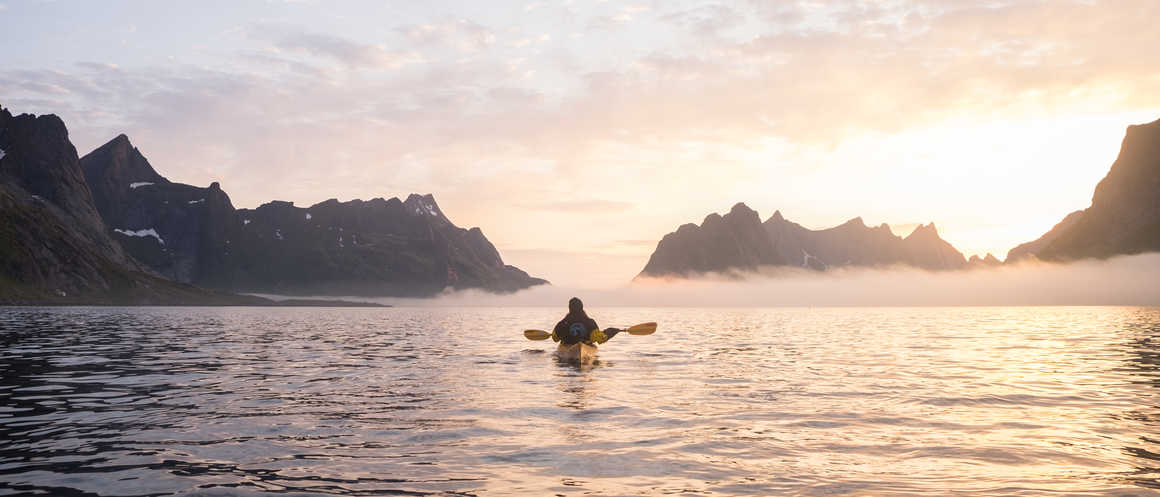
640 329
537 335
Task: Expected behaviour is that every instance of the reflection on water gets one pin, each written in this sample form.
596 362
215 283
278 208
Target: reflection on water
983 401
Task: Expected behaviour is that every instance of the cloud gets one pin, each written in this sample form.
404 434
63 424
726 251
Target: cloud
680 111
352 54
860 67
705 20
461 34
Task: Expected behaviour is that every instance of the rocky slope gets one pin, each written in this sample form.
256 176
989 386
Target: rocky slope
1124 217
53 246
739 241
1029 250
721 243
374 248
180 231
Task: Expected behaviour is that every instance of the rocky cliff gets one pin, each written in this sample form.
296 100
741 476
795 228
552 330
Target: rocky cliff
739 241
180 231
1124 216
735 241
54 248
1030 250
374 248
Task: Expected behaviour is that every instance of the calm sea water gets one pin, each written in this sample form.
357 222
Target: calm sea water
415 401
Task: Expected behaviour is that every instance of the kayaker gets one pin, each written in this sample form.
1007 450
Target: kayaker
577 327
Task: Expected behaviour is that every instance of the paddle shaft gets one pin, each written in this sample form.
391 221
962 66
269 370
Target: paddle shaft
640 329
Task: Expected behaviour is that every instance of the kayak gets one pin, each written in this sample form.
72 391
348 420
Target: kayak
581 353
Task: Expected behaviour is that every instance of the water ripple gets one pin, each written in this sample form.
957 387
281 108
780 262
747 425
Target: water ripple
964 401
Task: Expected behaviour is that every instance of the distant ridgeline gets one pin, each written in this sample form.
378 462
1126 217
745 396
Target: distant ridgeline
373 248
110 223
739 241
1124 218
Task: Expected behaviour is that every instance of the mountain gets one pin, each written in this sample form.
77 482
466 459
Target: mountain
925 249
376 248
739 241
180 231
1030 249
53 245
736 240
981 262
1124 216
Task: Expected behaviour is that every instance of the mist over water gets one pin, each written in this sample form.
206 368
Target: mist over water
1126 280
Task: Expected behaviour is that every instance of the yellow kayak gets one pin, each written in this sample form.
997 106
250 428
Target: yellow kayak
581 353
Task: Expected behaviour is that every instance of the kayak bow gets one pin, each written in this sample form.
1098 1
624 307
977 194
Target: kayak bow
580 353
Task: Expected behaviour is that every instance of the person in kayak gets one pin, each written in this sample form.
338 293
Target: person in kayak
577 327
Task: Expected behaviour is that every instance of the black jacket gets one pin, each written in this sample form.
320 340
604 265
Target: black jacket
575 328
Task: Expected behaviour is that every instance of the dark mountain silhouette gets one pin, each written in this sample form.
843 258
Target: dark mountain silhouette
738 241
54 248
180 231
1124 217
1029 250
377 247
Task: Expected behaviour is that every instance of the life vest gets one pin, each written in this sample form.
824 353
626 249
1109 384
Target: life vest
575 330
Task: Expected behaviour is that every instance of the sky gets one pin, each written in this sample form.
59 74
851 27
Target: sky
577 133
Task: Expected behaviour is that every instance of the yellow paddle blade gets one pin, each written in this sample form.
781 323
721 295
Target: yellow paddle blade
537 335
643 329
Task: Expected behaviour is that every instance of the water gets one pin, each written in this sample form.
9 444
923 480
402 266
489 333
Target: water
413 401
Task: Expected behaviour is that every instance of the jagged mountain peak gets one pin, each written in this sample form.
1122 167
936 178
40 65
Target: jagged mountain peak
740 207
423 205
40 159
924 231
195 235
856 222
733 243
121 140
736 240
988 260
118 164
741 213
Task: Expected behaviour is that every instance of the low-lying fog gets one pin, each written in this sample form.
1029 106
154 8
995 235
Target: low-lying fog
1132 280
1126 280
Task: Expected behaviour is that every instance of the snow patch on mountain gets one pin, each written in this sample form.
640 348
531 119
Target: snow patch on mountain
141 233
